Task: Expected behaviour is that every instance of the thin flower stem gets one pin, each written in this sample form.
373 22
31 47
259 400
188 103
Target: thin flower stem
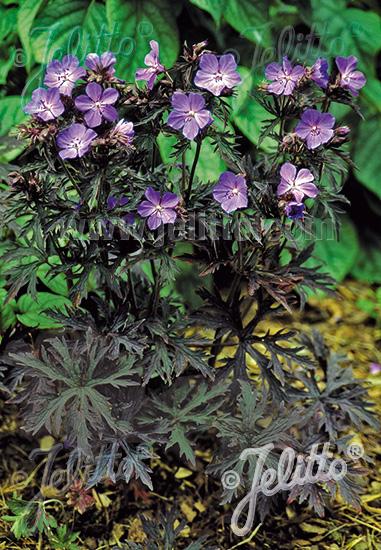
183 172
282 120
193 170
69 176
324 107
132 290
285 240
153 158
153 269
258 315
218 344
326 104
156 291
169 76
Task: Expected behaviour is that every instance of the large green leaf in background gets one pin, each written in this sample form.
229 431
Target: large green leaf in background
95 37
26 14
367 155
133 24
336 256
247 113
56 29
8 28
31 312
346 31
69 26
209 166
250 19
214 7
11 114
368 266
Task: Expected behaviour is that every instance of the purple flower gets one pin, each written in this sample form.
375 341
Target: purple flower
113 202
231 192
123 132
103 65
216 74
153 64
350 79
375 368
319 72
45 104
97 104
64 74
294 210
158 209
315 128
189 114
75 141
285 77
299 183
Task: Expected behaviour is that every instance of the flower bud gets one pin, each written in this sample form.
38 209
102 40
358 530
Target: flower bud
342 131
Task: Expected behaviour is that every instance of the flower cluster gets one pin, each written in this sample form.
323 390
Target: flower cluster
79 114
286 78
86 103
91 118
315 128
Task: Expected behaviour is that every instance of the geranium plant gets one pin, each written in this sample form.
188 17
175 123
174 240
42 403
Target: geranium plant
132 367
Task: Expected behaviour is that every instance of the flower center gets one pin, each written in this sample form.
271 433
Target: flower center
315 130
76 143
45 106
159 208
218 77
64 75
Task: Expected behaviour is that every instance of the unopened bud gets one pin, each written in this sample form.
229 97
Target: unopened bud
342 131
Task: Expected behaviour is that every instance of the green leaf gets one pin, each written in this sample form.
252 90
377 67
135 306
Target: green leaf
371 94
26 14
8 19
247 113
7 314
178 437
336 257
368 265
346 31
366 159
58 29
56 283
7 63
22 518
95 37
250 19
209 166
214 7
11 113
133 24
31 312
